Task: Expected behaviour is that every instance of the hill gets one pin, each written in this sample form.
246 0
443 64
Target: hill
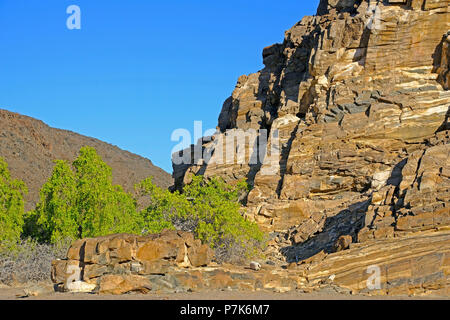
29 146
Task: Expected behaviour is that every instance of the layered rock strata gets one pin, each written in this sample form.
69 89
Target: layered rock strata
353 92
356 101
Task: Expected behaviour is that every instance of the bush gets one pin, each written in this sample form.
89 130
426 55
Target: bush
209 208
29 261
11 205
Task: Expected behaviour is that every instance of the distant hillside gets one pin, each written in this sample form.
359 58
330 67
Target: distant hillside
30 146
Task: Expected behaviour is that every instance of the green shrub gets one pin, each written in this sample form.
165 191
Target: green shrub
209 208
103 208
11 205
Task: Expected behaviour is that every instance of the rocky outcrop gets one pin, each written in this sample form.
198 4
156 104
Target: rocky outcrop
351 94
174 262
30 147
417 265
356 101
123 263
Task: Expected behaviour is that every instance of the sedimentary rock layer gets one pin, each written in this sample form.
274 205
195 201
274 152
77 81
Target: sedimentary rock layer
358 96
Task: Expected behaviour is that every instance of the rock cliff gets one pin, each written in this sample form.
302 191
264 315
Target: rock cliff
29 147
358 97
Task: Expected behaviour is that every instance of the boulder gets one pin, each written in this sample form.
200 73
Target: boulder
121 284
343 243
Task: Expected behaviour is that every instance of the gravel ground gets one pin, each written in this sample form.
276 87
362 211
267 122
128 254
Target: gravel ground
10 293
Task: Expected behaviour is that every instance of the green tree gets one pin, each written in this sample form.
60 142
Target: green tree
126 217
103 208
82 203
12 192
56 217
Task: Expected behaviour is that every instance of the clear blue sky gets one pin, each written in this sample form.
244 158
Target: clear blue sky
137 69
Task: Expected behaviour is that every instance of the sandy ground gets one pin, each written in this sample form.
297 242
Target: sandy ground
9 293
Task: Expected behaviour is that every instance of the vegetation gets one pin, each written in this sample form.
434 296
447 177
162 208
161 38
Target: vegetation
79 200
210 209
82 202
29 261
11 205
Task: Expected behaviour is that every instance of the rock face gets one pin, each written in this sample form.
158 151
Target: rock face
358 96
414 266
30 146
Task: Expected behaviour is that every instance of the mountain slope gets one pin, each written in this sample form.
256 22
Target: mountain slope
30 146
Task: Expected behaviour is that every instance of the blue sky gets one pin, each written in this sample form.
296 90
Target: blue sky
138 69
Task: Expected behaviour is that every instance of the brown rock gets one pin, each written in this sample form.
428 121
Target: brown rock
73 252
155 267
121 284
343 243
156 250
58 271
94 271
200 256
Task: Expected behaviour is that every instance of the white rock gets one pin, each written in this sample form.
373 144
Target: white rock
255 266
379 179
80 287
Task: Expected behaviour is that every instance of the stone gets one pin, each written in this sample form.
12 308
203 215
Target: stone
94 271
256 266
156 250
58 271
200 255
79 287
121 284
126 260
343 243
154 267
443 64
38 291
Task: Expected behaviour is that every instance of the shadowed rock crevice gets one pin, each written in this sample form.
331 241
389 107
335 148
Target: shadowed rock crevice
347 222
285 151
